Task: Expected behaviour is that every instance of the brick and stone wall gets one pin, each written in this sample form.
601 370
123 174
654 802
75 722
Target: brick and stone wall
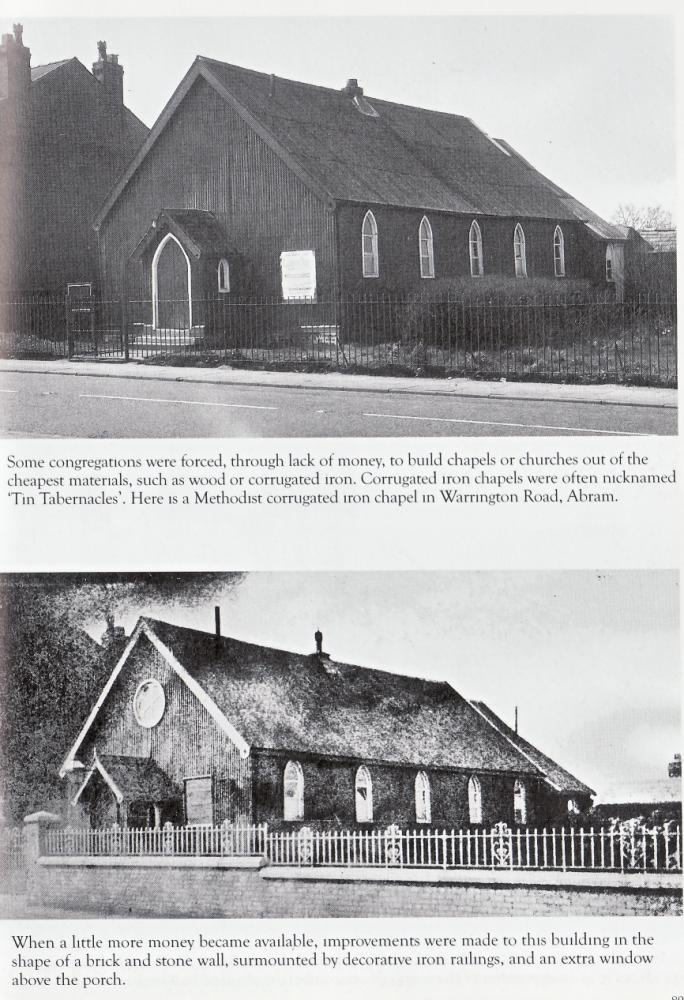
174 890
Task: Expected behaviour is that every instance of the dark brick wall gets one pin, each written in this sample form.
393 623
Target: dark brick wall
208 892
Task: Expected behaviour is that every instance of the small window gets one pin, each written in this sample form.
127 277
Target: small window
364 796
609 263
519 802
474 800
223 276
369 246
475 244
558 253
423 809
519 252
573 807
427 252
293 791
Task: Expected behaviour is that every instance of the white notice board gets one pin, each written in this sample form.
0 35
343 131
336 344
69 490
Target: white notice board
298 270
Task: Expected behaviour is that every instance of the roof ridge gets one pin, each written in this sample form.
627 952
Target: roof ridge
291 652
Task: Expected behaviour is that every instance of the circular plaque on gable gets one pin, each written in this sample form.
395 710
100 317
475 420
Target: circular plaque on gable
149 703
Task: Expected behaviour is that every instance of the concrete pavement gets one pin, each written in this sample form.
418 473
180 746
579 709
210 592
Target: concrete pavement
608 394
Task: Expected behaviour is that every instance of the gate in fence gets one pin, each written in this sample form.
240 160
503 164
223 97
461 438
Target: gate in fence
12 859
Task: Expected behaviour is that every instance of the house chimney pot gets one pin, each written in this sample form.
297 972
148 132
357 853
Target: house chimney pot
318 636
352 88
15 69
109 73
271 85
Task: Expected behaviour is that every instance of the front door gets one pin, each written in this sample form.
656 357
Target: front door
171 280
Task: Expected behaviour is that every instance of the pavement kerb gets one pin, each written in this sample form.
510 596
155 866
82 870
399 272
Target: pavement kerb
598 395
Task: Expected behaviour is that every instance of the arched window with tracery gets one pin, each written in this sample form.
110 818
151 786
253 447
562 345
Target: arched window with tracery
520 802
558 253
474 800
369 246
475 245
364 795
423 805
293 791
519 252
426 249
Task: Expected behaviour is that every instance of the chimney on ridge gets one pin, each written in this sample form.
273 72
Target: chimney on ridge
110 74
15 69
352 89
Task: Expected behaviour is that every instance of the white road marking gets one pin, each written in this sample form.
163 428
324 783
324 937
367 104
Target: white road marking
12 391
186 402
502 423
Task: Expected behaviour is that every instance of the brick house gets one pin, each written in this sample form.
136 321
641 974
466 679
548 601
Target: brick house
193 727
66 137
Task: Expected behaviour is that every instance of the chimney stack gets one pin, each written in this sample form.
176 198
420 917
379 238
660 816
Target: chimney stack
352 89
318 636
110 74
15 69
271 85
217 622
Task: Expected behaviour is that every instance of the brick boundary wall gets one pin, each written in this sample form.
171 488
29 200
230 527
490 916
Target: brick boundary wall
172 891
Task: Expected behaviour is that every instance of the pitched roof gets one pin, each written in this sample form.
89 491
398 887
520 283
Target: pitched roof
562 780
282 700
131 778
38 72
402 156
199 231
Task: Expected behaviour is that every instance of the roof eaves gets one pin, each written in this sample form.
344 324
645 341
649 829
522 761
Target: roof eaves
491 723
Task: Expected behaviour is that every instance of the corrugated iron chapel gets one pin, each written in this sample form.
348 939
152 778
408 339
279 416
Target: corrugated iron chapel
250 184
198 728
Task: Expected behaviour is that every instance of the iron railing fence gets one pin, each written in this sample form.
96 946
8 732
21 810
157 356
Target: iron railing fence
12 860
541 337
178 841
619 847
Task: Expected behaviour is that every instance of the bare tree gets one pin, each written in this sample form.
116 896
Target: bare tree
643 216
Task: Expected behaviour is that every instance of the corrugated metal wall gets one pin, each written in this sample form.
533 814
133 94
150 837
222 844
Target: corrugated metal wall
186 743
208 158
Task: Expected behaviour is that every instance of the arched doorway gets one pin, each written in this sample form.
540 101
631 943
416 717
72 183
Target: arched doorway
171 286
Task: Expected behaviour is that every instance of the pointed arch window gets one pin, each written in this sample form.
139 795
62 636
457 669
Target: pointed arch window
369 246
475 245
223 275
519 252
558 253
423 805
609 263
474 800
426 249
364 795
293 791
519 802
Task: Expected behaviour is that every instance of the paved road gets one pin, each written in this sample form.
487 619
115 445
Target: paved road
56 405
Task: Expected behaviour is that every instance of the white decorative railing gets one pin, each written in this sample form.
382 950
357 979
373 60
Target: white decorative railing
227 840
619 847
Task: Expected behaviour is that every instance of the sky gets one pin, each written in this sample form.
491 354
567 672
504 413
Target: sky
588 100
589 658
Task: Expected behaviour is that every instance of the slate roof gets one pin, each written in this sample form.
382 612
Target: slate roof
135 777
405 156
562 779
287 701
38 72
